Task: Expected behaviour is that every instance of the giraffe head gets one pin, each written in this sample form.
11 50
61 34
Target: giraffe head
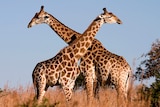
39 17
109 17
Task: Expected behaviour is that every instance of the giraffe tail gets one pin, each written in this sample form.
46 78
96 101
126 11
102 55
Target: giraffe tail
34 83
127 84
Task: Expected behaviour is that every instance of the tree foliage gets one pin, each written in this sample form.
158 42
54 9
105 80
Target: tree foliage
150 67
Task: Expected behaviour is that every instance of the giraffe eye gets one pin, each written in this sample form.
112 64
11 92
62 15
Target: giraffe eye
46 17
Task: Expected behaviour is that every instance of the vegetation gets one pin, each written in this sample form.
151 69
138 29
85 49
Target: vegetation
148 68
54 97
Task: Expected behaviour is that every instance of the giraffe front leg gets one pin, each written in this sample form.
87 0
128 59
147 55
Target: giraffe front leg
67 85
88 70
89 89
68 94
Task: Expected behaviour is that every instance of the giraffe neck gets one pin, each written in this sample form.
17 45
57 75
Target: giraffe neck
64 32
81 45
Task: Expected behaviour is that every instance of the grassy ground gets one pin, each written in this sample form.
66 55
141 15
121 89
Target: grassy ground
54 97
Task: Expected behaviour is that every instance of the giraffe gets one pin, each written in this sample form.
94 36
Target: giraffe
69 35
63 68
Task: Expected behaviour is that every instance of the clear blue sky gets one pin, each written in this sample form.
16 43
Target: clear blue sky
22 48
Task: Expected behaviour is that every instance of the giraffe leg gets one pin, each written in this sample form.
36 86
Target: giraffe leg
67 86
85 68
41 89
90 80
88 70
104 74
121 94
89 89
118 97
121 99
96 89
125 81
97 81
68 94
39 81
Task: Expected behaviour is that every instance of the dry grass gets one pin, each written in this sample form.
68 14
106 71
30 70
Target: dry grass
23 97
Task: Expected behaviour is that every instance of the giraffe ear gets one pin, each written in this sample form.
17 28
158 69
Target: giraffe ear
36 15
105 10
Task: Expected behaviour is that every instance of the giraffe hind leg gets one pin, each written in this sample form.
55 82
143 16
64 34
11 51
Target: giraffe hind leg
122 94
41 88
97 83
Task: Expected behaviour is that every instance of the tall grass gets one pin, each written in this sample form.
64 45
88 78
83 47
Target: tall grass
54 97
